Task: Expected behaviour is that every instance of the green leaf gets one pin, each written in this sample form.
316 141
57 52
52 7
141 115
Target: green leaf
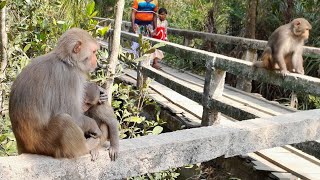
2 4
61 22
126 113
115 87
116 104
90 8
54 21
157 130
26 48
122 136
124 97
103 30
3 137
9 144
161 44
94 14
152 50
142 58
134 119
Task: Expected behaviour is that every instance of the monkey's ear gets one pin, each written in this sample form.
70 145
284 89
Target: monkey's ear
77 47
297 23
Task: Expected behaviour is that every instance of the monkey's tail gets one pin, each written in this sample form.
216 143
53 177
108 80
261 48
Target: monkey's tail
265 61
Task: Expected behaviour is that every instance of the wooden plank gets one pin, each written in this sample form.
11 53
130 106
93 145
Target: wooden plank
252 101
302 154
291 162
264 165
224 105
285 176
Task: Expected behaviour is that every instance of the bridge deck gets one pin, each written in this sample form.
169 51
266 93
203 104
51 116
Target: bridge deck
282 162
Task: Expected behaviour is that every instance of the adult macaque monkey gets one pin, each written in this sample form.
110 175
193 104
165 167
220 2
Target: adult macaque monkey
45 104
285 47
95 108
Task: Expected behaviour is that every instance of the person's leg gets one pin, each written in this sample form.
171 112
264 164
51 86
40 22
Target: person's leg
155 63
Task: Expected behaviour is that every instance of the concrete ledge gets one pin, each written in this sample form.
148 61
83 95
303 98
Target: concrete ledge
155 153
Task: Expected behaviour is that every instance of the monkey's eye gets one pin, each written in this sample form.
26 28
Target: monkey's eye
89 104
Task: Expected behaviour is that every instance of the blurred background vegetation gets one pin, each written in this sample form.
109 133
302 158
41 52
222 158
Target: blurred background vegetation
33 27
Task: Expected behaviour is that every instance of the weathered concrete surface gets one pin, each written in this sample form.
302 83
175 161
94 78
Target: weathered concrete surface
175 149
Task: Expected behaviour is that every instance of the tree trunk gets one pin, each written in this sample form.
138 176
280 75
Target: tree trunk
115 50
210 27
3 53
289 10
250 32
288 18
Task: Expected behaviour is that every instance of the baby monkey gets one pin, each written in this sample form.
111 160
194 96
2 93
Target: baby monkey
103 114
285 47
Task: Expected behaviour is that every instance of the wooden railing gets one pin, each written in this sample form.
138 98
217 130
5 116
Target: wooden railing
216 67
219 38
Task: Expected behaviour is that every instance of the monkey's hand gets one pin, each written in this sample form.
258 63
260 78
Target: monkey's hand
103 95
113 152
92 134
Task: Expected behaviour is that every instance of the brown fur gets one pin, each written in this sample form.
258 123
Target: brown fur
46 98
104 116
285 47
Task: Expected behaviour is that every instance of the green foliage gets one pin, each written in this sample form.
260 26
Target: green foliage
143 51
2 4
168 175
128 104
7 139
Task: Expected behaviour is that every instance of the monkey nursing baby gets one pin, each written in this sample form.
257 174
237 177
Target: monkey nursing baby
46 100
285 47
95 108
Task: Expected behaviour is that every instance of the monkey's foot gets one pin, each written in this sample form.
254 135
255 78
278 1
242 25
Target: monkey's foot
94 154
93 145
284 73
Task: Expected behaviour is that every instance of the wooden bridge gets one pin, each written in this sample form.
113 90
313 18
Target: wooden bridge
267 124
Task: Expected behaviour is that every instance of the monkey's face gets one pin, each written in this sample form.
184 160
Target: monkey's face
92 56
305 35
301 28
86 57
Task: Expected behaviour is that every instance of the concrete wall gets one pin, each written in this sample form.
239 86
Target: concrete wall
155 153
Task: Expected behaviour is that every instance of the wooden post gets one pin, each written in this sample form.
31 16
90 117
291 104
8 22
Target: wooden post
294 100
187 41
245 84
213 88
126 28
